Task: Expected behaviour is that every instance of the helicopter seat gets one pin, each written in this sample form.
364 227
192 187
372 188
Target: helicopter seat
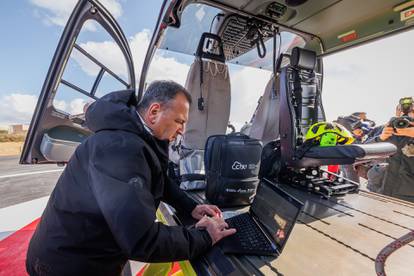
208 82
265 121
300 107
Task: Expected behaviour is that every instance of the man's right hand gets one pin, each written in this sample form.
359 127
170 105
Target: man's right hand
216 227
386 133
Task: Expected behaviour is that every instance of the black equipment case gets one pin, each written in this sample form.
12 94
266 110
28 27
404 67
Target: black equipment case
232 165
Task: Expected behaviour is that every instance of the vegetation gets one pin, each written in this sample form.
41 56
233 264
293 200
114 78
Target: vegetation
18 137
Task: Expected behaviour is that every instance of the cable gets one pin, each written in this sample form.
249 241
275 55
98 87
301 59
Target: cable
212 21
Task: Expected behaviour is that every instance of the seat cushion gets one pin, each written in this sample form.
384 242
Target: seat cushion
344 154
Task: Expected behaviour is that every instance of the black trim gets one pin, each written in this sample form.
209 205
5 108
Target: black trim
97 81
192 177
77 88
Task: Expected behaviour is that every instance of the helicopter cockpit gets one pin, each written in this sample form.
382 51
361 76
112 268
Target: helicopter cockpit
220 37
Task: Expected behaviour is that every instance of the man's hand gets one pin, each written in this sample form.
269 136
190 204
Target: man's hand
205 210
409 131
216 228
386 133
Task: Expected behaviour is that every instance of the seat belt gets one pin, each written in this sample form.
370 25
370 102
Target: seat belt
297 94
200 102
317 98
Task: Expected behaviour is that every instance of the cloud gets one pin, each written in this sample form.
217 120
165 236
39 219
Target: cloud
109 54
72 107
373 78
54 12
76 106
247 85
167 68
17 108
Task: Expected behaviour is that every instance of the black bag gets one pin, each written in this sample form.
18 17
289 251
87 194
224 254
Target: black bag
232 164
271 163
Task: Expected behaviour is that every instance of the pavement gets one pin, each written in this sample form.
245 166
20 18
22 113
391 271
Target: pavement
24 191
22 183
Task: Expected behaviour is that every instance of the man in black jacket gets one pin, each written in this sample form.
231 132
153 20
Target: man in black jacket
102 210
397 178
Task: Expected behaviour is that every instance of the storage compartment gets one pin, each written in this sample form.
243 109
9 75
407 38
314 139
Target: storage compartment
59 143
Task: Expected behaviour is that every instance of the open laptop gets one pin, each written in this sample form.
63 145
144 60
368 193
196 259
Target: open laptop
265 229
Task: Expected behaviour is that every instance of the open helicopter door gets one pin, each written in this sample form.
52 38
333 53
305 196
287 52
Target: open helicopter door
80 73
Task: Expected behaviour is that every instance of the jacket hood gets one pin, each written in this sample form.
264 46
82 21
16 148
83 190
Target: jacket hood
114 111
117 111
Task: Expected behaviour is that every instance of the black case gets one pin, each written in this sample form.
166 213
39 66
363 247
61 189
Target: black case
232 164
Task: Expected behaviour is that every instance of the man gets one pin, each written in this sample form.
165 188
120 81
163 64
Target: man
358 124
102 210
353 123
396 179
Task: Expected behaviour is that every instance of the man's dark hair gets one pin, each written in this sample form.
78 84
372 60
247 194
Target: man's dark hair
358 114
162 92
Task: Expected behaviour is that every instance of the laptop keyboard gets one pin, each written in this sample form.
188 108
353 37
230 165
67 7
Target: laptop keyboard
249 235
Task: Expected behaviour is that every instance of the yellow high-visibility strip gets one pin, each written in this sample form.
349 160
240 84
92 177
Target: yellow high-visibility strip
185 266
157 269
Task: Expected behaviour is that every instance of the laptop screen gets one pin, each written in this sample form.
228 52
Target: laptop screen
276 210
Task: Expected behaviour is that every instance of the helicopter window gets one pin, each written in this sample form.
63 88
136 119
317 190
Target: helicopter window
246 41
91 70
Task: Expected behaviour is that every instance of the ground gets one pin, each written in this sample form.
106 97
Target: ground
10 148
11 144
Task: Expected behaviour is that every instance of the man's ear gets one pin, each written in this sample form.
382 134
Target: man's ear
153 112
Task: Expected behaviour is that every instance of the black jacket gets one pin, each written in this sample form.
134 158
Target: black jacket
102 210
399 175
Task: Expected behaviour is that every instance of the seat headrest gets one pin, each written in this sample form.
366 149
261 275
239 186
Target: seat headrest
211 47
303 59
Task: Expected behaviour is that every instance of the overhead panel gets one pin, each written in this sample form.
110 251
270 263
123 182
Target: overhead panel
349 22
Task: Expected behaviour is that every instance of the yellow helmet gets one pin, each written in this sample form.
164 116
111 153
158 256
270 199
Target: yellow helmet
329 134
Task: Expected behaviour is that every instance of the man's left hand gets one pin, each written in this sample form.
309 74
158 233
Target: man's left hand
409 131
206 210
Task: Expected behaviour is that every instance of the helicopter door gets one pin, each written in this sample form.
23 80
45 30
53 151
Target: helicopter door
82 70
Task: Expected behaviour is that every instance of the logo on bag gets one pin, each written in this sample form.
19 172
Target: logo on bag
237 166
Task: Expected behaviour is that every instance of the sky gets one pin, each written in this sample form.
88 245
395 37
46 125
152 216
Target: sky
370 78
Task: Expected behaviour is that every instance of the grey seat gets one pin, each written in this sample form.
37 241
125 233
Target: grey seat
208 82
300 107
215 91
265 121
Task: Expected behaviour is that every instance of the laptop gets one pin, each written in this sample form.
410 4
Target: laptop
265 228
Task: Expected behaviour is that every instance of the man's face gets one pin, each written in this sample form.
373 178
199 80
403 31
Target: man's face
168 121
399 112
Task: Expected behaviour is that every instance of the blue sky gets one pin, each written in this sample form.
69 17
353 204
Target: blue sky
29 39
369 78
26 53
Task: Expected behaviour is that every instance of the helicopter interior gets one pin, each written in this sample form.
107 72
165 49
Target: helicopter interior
291 102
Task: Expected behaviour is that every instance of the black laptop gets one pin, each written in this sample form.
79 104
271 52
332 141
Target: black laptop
265 229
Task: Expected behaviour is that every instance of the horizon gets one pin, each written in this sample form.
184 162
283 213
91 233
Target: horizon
358 79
